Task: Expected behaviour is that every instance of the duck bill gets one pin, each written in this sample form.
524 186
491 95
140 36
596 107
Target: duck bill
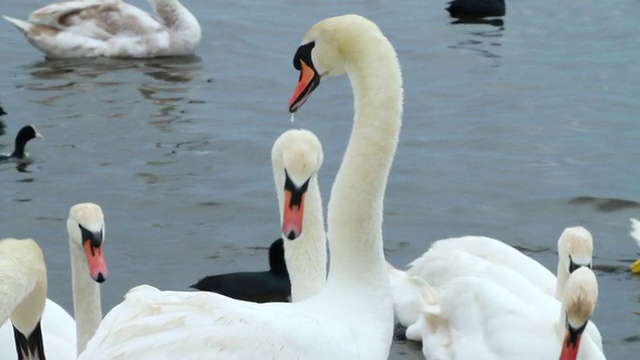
95 261
570 346
293 216
308 81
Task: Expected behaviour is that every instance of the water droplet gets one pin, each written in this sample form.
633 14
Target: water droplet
292 118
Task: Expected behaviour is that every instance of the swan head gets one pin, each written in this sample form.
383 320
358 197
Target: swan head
575 249
85 226
579 302
296 157
26 254
326 50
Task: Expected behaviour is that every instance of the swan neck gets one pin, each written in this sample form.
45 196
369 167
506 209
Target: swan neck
306 256
86 298
562 276
175 16
24 284
356 204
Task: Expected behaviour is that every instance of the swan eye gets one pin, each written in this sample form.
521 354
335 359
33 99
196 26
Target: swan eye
303 54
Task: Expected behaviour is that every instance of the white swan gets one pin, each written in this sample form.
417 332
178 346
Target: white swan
474 318
352 317
23 290
575 249
85 227
111 28
635 234
295 155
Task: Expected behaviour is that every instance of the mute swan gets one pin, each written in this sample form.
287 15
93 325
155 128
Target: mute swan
111 28
24 135
575 249
474 318
306 258
353 312
85 226
23 290
635 233
257 286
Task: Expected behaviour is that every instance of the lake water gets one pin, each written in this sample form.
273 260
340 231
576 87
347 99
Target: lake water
513 131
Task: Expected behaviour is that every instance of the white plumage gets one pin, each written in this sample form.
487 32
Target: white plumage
111 28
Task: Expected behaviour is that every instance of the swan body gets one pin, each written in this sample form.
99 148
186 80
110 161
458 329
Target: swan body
64 336
575 249
111 28
474 318
635 234
353 312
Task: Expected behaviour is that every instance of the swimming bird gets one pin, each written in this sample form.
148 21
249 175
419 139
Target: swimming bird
474 318
635 234
111 28
85 227
259 286
19 154
306 257
352 316
575 249
476 8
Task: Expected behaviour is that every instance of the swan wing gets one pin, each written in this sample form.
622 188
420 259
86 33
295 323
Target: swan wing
478 319
98 19
494 251
154 324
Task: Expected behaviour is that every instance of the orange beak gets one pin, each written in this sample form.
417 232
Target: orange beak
292 218
570 347
307 82
95 261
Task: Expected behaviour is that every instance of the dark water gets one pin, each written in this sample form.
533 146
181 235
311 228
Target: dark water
513 131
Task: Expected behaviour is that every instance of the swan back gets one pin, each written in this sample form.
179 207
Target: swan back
296 158
23 284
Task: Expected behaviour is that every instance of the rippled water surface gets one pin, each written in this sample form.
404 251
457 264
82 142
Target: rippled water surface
513 130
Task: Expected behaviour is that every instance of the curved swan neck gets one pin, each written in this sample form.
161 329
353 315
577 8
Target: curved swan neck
356 204
86 298
23 284
175 16
306 256
561 277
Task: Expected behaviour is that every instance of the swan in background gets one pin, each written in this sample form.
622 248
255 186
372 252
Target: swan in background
111 28
635 234
295 155
85 227
352 317
256 286
19 154
23 290
474 318
575 249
